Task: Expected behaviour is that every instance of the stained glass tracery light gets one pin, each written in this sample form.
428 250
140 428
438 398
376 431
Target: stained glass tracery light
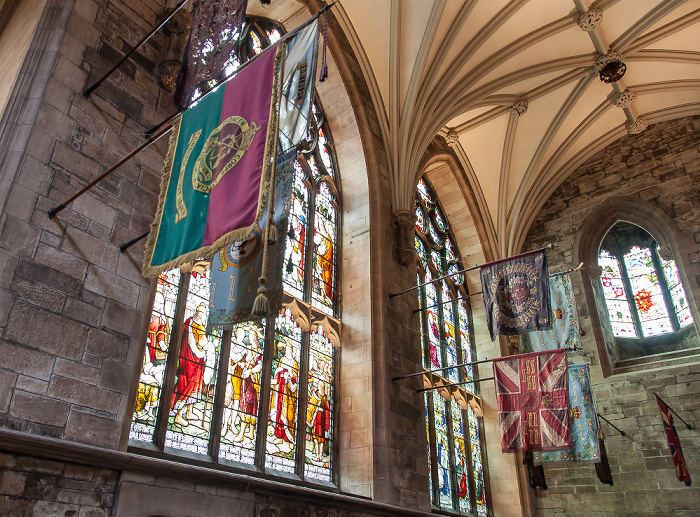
456 466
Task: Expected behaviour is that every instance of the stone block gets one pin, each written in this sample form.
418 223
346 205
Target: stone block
90 207
20 202
83 312
116 376
7 383
43 330
53 509
19 237
31 385
50 277
123 319
38 294
15 507
111 286
93 430
12 483
77 371
41 487
26 361
91 249
83 394
36 408
60 261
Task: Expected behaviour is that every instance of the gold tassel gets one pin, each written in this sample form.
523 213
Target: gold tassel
272 235
261 305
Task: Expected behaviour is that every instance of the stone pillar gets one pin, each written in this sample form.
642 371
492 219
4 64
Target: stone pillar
177 30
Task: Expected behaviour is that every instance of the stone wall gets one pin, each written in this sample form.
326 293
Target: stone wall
660 167
42 488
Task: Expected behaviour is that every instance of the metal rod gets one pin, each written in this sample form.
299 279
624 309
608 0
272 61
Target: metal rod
126 56
127 245
454 384
690 427
612 425
55 210
435 280
448 301
240 68
441 369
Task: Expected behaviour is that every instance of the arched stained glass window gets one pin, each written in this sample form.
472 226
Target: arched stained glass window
262 394
641 284
455 448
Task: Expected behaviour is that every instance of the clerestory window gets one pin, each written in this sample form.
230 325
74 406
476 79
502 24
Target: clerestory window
455 446
262 395
646 303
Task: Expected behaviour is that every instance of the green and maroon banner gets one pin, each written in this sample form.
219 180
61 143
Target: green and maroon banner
215 177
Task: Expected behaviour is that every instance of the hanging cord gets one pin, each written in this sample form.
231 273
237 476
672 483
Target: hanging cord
324 65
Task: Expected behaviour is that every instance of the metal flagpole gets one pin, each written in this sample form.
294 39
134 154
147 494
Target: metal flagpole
454 384
614 426
126 56
432 281
55 210
440 369
448 301
690 427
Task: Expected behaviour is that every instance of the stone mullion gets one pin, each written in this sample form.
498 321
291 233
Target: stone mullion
665 291
171 368
222 378
630 296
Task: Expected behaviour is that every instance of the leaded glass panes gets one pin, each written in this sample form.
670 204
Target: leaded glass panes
193 396
445 340
235 397
680 301
319 443
282 425
323 292
295 250
153 366
615 296
646 291
242 402
477 463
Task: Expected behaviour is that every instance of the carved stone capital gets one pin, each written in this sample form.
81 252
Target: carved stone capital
594 272
519 108
589 20
177 30
452 139
405 223
625 99
607 58
636 127
666 253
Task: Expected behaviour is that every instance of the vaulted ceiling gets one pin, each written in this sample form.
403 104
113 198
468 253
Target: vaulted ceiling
513 86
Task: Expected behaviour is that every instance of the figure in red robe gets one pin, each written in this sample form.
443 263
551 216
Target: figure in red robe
191 370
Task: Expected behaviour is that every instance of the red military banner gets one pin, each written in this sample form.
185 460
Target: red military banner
533 401
674 442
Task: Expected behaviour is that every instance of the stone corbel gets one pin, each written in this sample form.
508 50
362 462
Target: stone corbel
405 223
177 30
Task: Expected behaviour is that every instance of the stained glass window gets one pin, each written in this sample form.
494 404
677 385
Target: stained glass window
457 481
643 291
260 395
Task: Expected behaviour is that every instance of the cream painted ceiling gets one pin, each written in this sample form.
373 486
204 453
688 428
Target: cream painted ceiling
513 86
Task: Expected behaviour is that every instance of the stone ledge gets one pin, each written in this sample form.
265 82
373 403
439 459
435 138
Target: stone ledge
71 452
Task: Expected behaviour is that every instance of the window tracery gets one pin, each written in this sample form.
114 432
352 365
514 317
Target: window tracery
259 396
457 481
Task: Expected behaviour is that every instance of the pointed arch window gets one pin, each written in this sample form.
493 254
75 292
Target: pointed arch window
647 306
455 445
259 397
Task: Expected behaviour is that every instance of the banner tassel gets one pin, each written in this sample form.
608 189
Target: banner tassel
272 234
261 305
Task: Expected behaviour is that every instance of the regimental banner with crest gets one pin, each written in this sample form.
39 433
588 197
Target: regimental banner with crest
516 294
237 267
533 401
214 185
584 431
565 329
674 442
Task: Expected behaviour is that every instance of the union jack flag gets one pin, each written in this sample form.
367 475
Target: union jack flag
533 401
674 442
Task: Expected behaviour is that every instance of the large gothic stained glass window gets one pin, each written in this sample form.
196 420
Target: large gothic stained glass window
261 395
641 284
455 447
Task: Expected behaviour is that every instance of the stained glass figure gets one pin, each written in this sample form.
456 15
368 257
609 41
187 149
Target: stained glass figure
443 453
193 396
273 35
242 399
282 425
153 367
465 340
295 250
319 432
477 464
615 296
423 191
461 460
422 253
428 403
437 238
437 261
323 293
323 150
255 41
440 220
434 345
449 332
420 219
680 301
648 297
